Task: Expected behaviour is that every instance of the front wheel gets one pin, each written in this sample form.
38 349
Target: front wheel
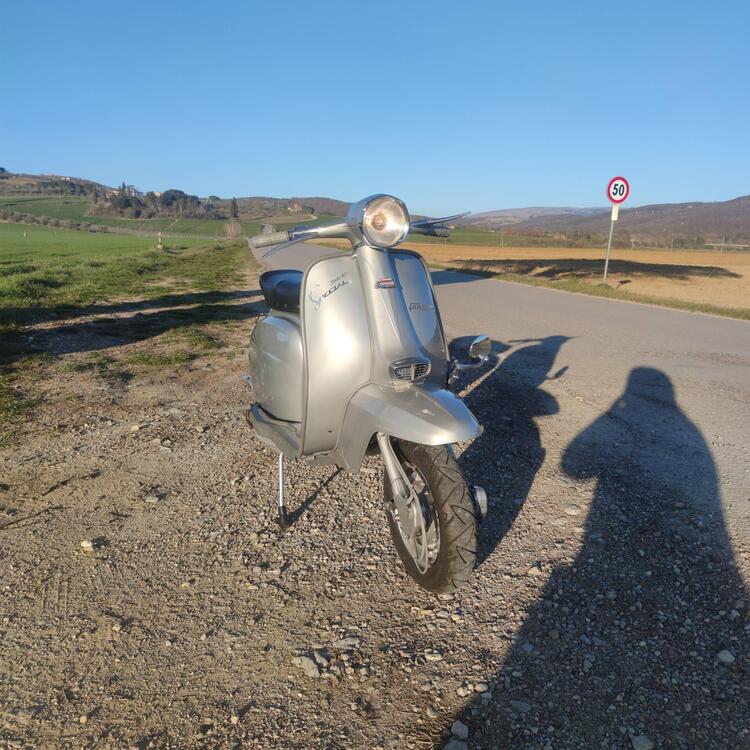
437 542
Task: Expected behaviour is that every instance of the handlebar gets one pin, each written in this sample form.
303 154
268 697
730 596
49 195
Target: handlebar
265 240
342 229
430 231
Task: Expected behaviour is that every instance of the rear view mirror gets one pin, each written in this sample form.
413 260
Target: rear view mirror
480 348
479 352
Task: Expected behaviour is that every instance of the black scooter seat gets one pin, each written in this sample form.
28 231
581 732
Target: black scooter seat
281 288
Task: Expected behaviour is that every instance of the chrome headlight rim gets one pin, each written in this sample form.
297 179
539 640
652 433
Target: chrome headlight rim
366 208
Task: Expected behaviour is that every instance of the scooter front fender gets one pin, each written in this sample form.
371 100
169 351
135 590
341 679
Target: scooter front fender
420 414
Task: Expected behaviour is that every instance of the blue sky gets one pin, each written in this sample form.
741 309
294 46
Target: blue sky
450 105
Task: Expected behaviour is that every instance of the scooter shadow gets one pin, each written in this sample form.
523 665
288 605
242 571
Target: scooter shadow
292 516
506 400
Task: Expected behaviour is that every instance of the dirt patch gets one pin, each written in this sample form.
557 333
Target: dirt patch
721 279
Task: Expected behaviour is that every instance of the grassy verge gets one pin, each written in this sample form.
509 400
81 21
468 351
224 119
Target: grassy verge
580 286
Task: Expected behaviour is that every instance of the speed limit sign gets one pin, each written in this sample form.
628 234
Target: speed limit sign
618 190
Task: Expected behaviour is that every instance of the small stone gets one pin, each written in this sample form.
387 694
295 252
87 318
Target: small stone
135 427
460 730
321 658
572 510
456 744
25 716
431 712
87 545
351 641
307 665
554 635
725 657
520 707
641 742
83 719
535 570
481 687
117 627
433 656
234 719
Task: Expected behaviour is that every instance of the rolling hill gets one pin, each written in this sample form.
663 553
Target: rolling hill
507 216
76 198
259 206
729 219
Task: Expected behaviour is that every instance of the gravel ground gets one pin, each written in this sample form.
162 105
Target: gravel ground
149 599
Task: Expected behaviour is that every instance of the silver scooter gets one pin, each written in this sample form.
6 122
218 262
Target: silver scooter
352 359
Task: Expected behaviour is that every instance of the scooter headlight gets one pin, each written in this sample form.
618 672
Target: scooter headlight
385 222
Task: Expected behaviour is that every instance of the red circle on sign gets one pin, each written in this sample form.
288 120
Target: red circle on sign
622 191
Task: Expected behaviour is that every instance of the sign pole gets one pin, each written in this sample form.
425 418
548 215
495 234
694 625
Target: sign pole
615 211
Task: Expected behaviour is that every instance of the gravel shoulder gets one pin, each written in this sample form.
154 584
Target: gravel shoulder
149 599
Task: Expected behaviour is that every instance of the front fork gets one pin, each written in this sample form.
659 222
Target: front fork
402 490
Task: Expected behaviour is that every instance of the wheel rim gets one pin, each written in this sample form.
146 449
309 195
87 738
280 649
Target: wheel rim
422 542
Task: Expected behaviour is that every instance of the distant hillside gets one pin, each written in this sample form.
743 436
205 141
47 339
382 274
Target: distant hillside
125 200
128 201
259 207
45 184
711 221
507 216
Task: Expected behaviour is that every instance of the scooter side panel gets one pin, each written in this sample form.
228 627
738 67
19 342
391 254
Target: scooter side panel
276 366
337 347
413 277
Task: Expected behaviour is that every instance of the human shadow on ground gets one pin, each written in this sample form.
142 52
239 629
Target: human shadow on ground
506 402
641 641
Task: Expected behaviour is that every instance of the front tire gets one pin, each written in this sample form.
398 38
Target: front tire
449 513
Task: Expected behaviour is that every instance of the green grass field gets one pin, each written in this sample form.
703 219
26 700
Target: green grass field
43 267
65 207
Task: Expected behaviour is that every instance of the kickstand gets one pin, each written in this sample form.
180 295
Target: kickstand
284 519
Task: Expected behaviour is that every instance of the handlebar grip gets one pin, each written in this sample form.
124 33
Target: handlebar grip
265 240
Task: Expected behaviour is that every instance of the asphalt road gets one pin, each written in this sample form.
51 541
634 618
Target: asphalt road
591 354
